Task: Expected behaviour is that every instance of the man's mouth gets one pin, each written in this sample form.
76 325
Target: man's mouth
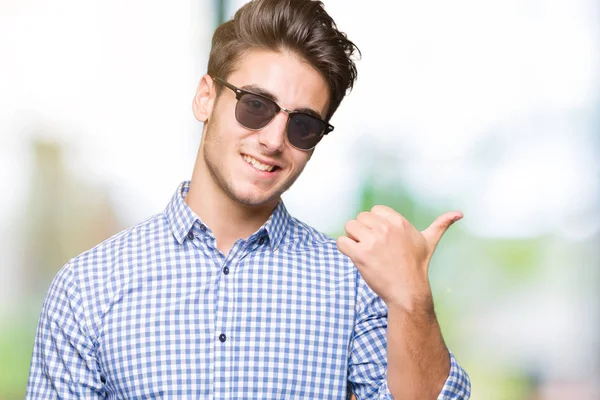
258 165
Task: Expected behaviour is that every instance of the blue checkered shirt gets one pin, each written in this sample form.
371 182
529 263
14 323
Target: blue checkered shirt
158 312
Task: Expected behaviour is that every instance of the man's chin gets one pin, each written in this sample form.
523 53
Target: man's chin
256 200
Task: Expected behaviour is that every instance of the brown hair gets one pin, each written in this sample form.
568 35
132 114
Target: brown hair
301 26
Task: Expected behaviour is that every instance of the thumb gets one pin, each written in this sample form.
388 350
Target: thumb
436 230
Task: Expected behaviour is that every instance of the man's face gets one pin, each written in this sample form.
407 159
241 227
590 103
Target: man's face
255 167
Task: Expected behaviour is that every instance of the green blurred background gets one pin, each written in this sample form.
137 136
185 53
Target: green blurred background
489 107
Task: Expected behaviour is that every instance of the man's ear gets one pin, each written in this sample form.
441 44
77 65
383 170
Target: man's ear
204 99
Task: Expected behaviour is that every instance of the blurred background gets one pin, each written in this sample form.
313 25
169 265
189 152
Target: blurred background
491 107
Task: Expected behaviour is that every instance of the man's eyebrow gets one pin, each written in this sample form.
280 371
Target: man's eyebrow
265 93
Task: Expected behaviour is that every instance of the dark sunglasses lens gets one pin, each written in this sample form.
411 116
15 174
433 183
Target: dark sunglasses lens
305 131
254 112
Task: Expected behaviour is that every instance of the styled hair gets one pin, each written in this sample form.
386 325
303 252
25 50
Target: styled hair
300 26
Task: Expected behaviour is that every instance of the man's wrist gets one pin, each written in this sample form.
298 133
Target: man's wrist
420 303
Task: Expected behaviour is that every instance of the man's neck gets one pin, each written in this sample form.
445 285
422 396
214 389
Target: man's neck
227 219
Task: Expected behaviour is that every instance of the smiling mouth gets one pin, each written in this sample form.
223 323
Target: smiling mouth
258 165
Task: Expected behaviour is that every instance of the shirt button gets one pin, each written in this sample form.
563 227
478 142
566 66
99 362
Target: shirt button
203 227
261 240
190 235
226 270
222 337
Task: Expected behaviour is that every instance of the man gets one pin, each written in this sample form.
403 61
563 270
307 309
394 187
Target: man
224 295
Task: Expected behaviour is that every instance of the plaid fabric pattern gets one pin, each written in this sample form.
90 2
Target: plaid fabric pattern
158 312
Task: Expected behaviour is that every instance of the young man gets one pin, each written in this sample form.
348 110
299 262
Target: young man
224 295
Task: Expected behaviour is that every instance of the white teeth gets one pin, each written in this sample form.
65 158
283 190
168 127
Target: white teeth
258 165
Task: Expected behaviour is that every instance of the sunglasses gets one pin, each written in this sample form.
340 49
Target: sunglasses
254 111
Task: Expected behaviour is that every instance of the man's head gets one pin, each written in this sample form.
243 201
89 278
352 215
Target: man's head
299 26
289 51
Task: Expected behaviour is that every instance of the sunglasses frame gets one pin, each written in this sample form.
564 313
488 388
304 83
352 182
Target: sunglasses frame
239 93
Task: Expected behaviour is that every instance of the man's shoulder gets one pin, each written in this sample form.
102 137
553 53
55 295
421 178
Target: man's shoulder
95 277
127 244
304 237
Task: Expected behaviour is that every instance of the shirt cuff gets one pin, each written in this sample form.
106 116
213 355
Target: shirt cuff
458 384
456 387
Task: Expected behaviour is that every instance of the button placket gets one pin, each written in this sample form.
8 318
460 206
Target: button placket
225 318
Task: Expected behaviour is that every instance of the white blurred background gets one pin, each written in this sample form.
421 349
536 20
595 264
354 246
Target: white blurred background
491 107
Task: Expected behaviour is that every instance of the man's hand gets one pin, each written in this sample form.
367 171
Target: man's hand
392 256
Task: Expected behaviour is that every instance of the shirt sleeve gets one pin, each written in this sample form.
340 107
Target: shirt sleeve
63 364
368 356
458 384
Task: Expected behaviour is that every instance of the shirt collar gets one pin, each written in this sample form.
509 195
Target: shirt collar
181 218
277 225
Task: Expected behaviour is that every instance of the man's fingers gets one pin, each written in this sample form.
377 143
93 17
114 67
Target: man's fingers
346 245
433 234
385 212
370 220
356 230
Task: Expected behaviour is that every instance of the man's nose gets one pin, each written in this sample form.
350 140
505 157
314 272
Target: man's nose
272 136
